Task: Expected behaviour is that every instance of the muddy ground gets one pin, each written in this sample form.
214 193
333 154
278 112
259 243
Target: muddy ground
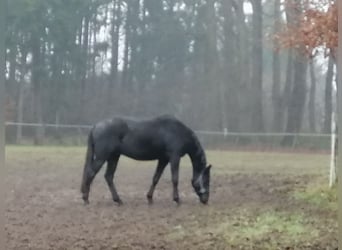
44 210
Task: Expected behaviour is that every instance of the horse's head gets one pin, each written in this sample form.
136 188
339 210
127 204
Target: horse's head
201 185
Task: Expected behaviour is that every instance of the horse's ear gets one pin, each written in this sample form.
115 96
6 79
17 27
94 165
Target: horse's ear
206 170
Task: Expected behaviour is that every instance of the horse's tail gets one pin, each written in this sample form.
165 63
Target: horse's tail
88 159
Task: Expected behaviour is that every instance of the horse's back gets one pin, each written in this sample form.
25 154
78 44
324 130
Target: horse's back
144 139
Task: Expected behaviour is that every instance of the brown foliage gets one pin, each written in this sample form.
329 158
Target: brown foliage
315 28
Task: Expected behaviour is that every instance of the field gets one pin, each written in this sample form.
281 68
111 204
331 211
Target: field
258 200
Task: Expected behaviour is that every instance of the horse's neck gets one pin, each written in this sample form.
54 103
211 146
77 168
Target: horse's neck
197 157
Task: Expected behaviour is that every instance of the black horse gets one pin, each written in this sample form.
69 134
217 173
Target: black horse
163 138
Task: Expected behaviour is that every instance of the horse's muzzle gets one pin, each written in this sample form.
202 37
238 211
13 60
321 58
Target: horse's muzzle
204 198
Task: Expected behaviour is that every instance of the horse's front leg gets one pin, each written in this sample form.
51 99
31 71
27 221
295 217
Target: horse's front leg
175 175
109 176
157 174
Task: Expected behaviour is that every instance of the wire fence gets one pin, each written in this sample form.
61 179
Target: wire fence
74 134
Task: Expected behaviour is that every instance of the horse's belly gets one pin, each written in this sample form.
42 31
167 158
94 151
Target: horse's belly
141 153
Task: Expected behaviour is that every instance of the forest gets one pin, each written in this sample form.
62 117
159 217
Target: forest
214 64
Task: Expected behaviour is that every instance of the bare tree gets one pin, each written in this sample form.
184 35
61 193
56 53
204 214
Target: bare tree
257 68
276 69
328 96
312 98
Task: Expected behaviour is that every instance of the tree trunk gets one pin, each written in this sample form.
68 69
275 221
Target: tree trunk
93 58
20 107
115 30
297 100
212 69
37 65
328 96
286 95
276 88
243 69
297 89
312 98
84 67
125 72
231 79
257 78
12 70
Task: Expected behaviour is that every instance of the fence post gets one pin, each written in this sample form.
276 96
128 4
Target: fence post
332 174
225 132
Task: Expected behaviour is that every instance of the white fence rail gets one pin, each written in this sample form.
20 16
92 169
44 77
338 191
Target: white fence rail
204 132
70 134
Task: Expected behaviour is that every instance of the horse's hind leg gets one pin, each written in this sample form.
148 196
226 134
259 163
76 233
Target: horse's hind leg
109 176
174 175
157 174
89 175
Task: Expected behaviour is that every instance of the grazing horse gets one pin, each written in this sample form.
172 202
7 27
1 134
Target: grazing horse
163 138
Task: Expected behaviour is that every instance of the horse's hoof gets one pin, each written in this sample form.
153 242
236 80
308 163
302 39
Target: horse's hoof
118 202
85 198
150 201
177 200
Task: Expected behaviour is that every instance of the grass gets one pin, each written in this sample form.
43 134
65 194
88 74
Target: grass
272 227
319 195
269 228
245 226
270 162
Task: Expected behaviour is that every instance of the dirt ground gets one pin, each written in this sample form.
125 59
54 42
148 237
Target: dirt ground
44 210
